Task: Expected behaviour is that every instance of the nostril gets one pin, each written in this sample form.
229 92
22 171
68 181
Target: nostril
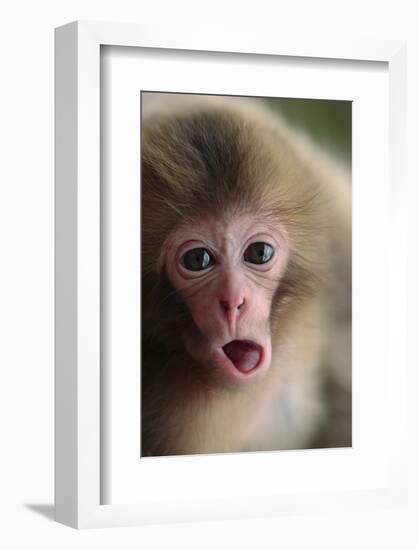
224 305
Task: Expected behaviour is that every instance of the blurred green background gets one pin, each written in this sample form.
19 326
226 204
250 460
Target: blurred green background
327 122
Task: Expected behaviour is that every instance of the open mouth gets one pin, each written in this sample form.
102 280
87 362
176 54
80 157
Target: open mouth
244 354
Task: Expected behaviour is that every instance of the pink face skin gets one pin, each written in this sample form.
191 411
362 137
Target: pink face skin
230 295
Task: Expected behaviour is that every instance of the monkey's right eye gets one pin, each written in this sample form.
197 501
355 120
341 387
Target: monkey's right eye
197 259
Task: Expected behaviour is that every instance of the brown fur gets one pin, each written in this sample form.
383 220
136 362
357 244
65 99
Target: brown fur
219 157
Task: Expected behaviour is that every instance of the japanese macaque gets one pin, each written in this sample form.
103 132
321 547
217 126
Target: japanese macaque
246 282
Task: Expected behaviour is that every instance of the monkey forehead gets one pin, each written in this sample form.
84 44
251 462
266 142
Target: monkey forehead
223 234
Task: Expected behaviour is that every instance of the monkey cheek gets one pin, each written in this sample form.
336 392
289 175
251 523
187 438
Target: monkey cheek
195 345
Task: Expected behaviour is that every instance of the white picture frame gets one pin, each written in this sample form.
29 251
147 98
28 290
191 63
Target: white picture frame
78 293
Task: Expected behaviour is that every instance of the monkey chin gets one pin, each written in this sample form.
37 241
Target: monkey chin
241 361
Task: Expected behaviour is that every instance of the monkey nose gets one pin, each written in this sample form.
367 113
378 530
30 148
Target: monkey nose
229 306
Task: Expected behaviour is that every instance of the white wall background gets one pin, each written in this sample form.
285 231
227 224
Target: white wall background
26 272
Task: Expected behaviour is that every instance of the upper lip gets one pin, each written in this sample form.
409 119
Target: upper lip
244 341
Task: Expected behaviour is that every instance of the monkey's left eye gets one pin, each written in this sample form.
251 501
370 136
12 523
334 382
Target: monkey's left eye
197 259
258 253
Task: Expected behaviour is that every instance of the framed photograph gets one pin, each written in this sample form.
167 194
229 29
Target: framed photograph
227 344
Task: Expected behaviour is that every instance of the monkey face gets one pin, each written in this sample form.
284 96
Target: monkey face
227 273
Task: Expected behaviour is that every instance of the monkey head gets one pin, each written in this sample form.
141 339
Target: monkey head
225 237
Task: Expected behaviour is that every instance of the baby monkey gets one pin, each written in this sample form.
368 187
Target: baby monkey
246 281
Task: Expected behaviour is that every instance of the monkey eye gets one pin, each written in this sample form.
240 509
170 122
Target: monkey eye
197 259
258 253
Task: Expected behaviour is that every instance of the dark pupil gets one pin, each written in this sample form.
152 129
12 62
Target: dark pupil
258 253
197 259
